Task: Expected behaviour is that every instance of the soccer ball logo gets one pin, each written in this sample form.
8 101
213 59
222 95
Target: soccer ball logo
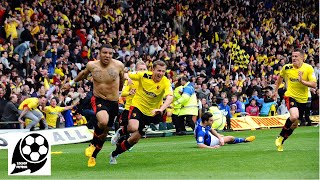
34 148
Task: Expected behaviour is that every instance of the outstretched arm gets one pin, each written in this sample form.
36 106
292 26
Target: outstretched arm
164 106
82 75
278 83
24 112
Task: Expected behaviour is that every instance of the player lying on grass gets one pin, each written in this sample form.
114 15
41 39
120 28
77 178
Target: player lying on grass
207 137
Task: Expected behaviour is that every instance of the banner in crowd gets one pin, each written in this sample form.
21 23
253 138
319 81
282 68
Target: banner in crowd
59 136
255 122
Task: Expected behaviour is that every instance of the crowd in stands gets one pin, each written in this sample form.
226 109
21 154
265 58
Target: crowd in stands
231 51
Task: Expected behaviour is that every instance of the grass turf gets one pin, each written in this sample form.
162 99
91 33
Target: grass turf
178 157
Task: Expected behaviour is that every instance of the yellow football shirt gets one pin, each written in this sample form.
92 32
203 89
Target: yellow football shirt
52 114
149 95
126 92
296 89
31 103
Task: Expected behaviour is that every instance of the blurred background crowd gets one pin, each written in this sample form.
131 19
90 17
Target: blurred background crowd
228 49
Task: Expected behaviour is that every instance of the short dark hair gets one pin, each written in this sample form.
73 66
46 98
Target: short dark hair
106 46
183 78
56 98
11 97
42 96
299 50
158 63
206 116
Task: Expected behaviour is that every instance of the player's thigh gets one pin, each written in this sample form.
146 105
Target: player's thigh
228 139
37 113
213 140
102 117
133 125
30 115
294 113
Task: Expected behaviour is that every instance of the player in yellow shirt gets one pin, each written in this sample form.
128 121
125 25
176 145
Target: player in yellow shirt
29 109
52 112
298 76
128 91
147 105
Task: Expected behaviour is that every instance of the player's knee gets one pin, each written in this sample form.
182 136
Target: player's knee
294 117
294 125
103 123
132 129
134 140
37 120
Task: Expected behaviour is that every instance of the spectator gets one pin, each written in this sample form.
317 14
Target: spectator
80 120
225 108
29 109
53 113
268 105
282 109
10 114
253 109
189 107
237 103
203 93
5 92
24 50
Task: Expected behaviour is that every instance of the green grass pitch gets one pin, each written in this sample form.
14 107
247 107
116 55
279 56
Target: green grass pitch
178 157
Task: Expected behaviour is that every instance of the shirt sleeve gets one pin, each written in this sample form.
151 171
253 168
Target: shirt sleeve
283 71
168 90
60 109
32 105
311 75
126 89
136 75
200 137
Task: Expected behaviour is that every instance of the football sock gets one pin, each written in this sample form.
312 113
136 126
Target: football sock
98 140
285 128
289 132
97 132
238 140
122 147
124 131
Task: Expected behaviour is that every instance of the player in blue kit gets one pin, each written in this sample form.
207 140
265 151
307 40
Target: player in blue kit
207 137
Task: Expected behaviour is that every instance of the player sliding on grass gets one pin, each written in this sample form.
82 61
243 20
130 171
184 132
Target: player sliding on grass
299 76
207 137
147 105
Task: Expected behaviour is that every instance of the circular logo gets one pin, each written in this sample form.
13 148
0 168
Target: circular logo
34 148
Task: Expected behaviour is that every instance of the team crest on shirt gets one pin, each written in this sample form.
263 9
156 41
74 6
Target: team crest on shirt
292 103
158 87
134 114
